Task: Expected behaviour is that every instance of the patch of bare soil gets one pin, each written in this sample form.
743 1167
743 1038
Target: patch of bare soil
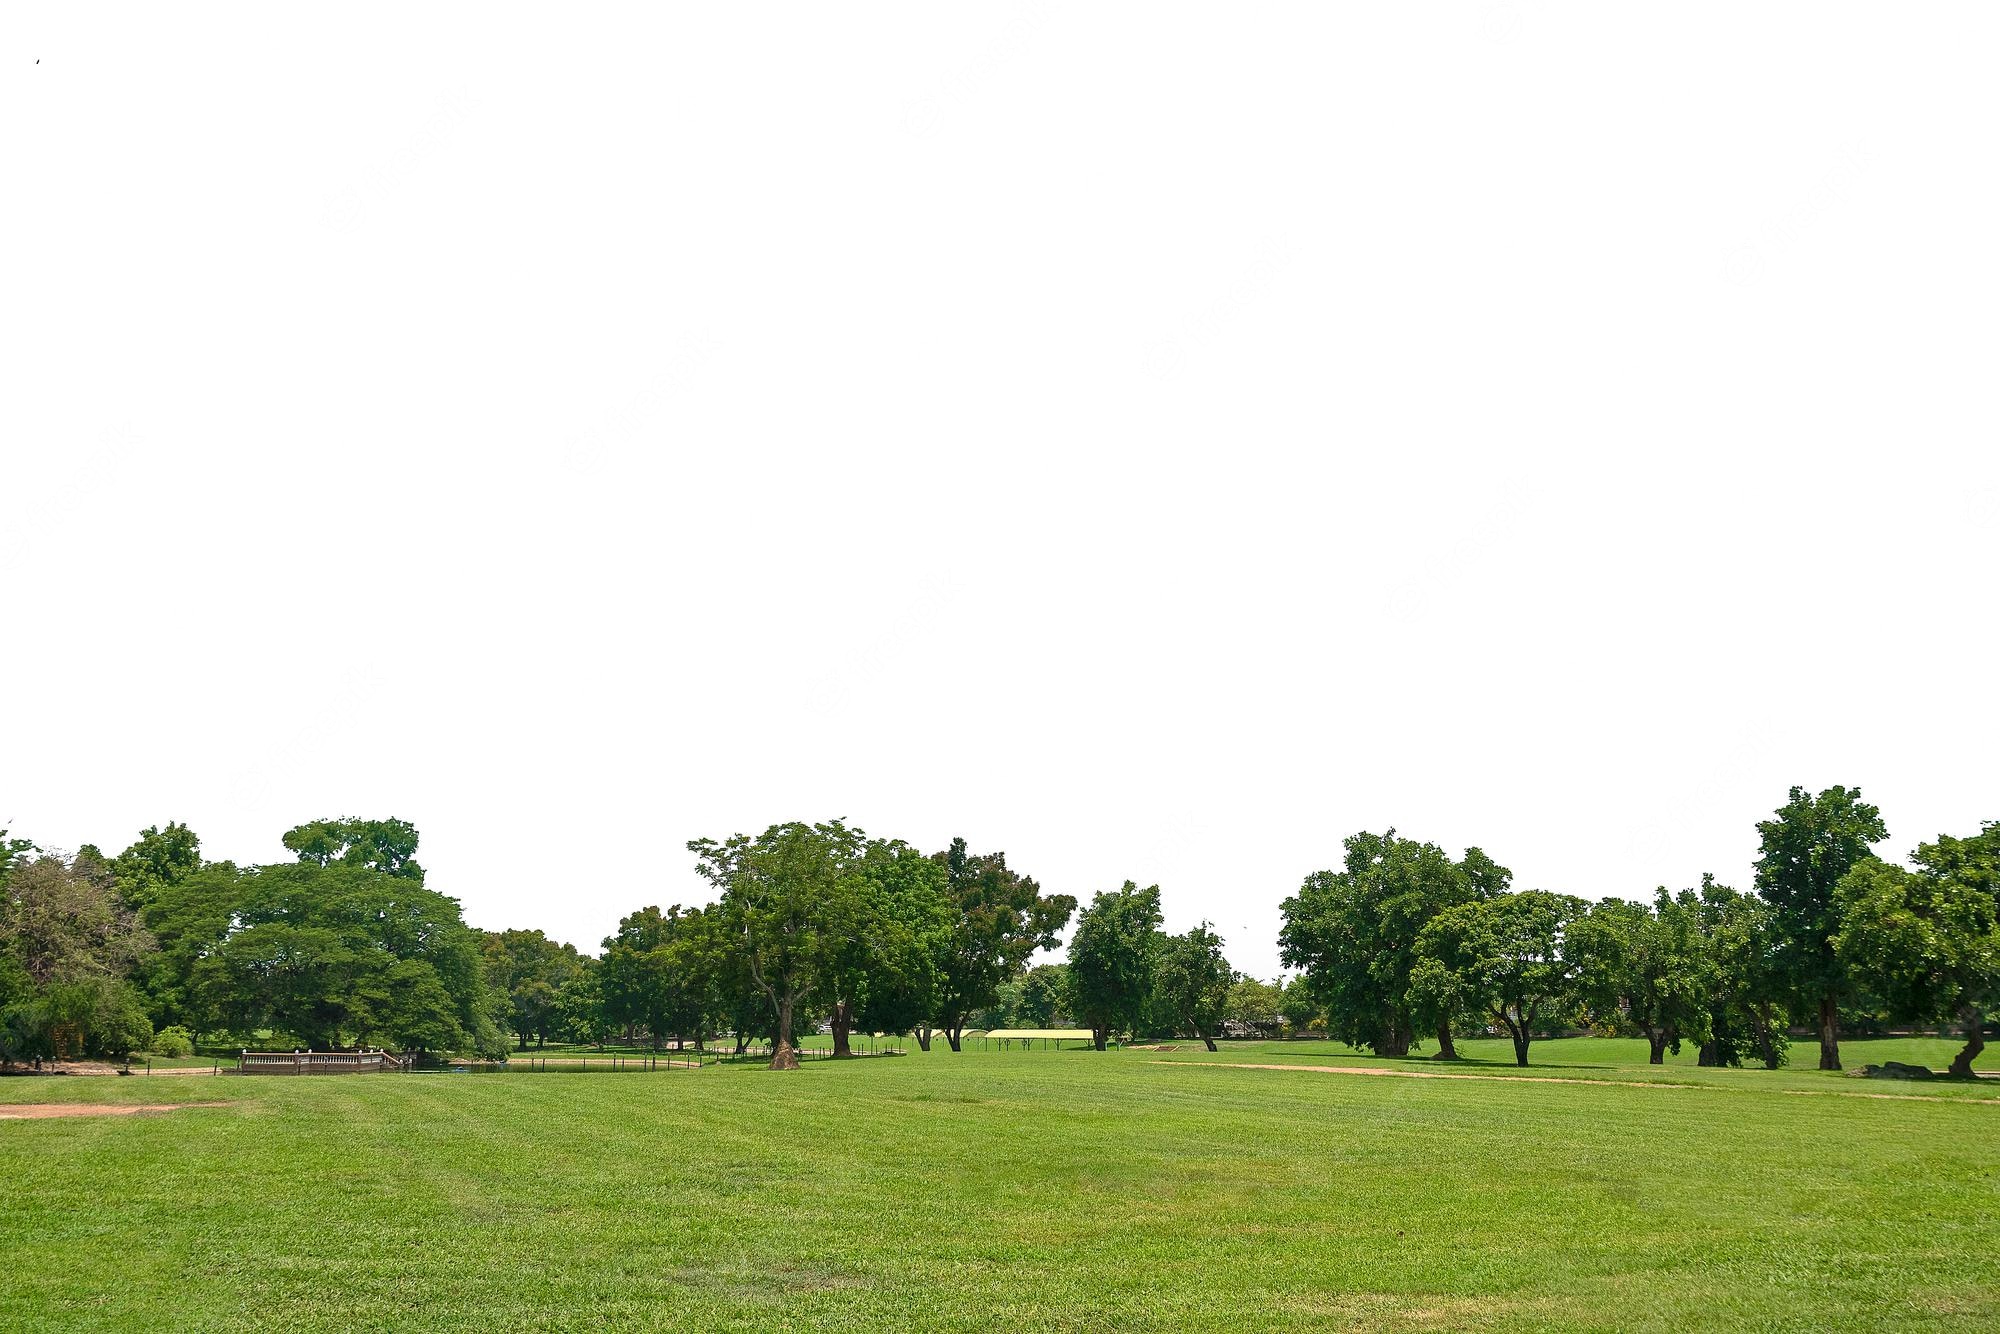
39 1111
1433 1074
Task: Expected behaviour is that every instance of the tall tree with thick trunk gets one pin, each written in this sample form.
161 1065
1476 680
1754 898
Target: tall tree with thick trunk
1926 942
1000 918
1112 957
1354 933
1508 957
787 894
1191 984
1802 853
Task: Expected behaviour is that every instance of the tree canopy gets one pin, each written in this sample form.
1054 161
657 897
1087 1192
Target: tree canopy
1509 957
1925 940
1803 851
1354 933
1112 956
999 919
1191 984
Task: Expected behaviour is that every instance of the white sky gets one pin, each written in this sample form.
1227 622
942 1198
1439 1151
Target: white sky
1154 440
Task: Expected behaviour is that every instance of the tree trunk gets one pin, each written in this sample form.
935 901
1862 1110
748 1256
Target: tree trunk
783 1055
1767 1045
1447 1051
1210 1041
923 1037
843 1024
1656 1047
1975 1042
1097 1036
1829 1034
1710 1053
1394 1041
1518 1032
955 1035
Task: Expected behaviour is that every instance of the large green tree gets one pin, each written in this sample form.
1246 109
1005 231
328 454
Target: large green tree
527 970
909 930
1746 1004
1112 956
1039 995
344 952
158 859
1509 958
1925 940
191 916
1648 969
1191 981
388 846
1000 918
1354 933
1803 851
787 894
67 945
1255 1004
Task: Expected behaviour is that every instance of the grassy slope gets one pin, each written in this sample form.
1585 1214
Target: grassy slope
1022 1190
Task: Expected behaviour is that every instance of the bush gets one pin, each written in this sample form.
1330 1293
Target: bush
173 1041
120 1026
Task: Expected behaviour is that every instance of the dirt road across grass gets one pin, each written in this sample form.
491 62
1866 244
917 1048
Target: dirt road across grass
1559 1079
37 1111
1432 1074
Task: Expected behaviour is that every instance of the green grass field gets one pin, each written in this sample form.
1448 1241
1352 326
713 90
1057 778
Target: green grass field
1130 1190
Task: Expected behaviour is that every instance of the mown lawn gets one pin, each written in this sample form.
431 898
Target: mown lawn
1017 1190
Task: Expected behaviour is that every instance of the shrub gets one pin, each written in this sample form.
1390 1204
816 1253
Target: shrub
173 1041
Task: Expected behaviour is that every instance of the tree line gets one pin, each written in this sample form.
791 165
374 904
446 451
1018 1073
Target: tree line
1405 944
820 926
810 926
814 926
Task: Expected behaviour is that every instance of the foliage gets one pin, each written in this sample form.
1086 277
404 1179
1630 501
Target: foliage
1000 918
1303 1011
388 846
159 858
1802 854
190 918
1650 967
1926 940
62 920
526 971
343 952
1256 1005
787 895
910 925
67 944
1112 957
1507 957
173 1041
1746 1004
1354 931
1191 981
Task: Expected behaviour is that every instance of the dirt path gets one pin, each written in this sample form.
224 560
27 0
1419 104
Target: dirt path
1434 1074
1558 1079
37 1111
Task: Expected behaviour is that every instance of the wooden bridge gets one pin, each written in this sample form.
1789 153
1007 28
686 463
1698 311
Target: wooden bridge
322 1063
